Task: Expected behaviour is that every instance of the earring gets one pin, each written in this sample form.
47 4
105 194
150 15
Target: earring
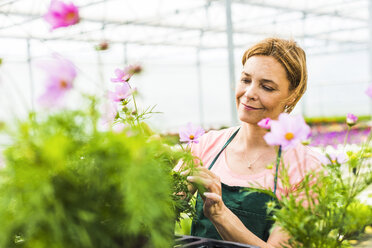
287 108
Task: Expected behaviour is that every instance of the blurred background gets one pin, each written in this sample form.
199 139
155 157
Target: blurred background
191 54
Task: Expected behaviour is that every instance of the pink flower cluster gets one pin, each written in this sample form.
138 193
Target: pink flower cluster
123 91
61 14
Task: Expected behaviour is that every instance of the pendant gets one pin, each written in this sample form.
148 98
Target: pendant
249 165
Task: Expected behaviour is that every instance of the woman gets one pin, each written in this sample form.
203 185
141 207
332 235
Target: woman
273 80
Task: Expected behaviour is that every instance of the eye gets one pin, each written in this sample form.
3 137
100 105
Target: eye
246 81
267 88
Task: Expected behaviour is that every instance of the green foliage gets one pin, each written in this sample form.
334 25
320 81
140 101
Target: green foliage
332 119
68 185
324 211
184 226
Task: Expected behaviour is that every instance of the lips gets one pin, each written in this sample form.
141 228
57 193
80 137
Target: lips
250 107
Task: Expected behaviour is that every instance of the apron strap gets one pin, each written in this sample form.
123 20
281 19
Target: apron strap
223 148
228 142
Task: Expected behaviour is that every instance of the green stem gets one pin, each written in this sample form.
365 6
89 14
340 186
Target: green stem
183 149
135 107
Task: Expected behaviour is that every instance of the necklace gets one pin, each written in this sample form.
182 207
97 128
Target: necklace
249 164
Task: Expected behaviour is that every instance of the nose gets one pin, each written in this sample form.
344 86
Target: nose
251 91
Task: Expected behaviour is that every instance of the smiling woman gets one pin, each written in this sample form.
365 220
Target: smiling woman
289 57
273 79
262 90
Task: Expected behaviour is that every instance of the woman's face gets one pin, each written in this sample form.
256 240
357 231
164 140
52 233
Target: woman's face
262 89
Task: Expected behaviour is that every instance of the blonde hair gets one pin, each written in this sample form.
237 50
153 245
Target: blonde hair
291 57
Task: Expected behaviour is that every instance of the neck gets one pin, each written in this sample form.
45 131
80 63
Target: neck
250 136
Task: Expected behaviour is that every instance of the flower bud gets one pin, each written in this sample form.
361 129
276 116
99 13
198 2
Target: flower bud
265 123
351 119
102 46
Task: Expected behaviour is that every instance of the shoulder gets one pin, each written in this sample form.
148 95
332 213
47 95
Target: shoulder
217 135
211 142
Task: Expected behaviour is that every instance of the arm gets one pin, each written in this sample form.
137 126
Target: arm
231 228
226 222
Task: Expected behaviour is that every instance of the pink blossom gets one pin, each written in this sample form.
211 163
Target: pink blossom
333 158
121 92
351 119
191 133
61 14
265 123
287 131
369 91
121 76
133 69
60 75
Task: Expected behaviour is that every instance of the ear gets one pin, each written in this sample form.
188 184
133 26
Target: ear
289 105
291 99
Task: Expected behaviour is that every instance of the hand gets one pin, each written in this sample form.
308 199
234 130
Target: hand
212 197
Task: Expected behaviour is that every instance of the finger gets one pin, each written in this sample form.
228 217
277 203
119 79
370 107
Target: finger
197 179
185 172
200 180
209 173
203 174
197 173
213 196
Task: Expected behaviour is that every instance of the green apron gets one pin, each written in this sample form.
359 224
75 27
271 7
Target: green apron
250 208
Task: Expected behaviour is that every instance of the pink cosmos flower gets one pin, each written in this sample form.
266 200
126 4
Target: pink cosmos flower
61 74
191 133
61 14
121 76
333 158
351 119
121 92
265 123
287 131
369 91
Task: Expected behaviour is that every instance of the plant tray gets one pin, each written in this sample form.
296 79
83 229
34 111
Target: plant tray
200 242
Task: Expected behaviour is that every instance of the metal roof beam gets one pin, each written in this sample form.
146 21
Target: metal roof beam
304 11
96 41
246 31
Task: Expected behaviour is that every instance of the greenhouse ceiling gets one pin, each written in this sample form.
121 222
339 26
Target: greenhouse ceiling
321 26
